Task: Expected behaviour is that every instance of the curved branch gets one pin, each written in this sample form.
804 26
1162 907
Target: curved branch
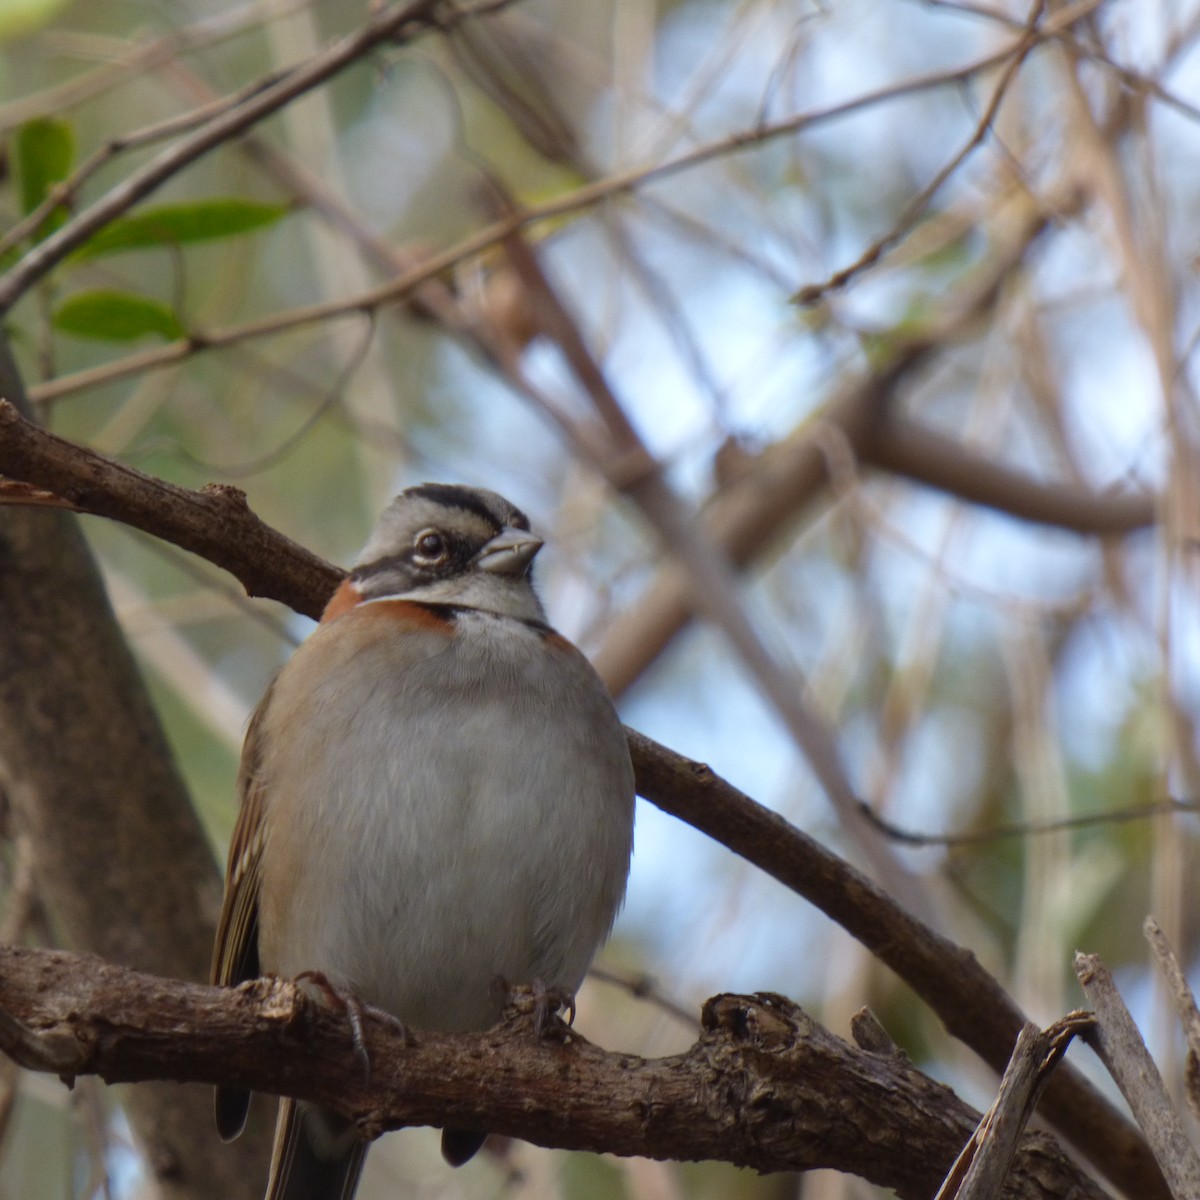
926 456
750 515
754 1090
215 522
950 979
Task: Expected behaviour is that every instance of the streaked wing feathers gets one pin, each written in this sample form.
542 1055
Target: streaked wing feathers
235 952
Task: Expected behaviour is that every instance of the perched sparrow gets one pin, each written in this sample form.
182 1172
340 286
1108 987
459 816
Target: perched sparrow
435 794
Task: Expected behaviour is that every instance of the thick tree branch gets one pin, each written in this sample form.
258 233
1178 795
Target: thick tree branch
942 462
765 1086
118 855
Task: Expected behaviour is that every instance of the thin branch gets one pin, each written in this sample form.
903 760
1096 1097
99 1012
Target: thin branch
753 1090
1030 38
396 24
643 987
581 199
1024 829
1185 1005
215 522
926 456
1137 81
141 58
747 517
64 192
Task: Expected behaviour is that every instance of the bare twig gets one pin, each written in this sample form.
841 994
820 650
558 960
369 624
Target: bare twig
980 1170
139 58
748 516
438 263
1185 1004
65 191
1024 829
1120 1046
917 205
1137 81
642 987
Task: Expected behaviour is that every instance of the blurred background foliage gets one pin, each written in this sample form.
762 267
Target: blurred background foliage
983 673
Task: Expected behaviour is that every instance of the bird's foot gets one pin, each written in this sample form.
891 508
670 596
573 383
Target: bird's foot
548 1001
543 1001
355 1010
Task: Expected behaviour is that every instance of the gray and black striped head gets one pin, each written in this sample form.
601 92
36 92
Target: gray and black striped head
440 543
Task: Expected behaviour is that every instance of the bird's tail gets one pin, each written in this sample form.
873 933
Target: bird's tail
460 1145
317 1156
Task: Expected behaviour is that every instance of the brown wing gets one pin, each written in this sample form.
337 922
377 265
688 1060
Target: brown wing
235 952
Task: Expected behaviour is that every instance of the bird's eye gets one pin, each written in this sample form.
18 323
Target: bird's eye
430 546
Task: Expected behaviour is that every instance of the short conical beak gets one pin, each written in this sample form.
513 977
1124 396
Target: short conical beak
509 553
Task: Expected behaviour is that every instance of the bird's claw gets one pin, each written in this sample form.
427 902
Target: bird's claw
354 1009
541 999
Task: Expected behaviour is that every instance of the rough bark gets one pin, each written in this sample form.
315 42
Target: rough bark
765 1086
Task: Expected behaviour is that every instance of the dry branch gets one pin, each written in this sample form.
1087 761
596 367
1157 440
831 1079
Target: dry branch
1124 1054
749 516
263 99
1185 1005
765 1086
987 1158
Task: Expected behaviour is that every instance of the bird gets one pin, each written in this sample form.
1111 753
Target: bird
436 795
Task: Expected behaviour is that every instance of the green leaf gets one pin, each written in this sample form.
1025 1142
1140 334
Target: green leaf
178 224
116 317
45 153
